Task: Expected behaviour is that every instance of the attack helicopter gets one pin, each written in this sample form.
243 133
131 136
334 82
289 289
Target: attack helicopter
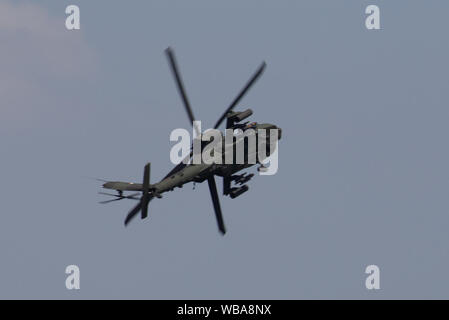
186 171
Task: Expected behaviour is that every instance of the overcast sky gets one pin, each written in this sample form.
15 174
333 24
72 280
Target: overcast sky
363 162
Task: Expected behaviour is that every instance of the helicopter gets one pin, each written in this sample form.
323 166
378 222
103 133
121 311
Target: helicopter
186 171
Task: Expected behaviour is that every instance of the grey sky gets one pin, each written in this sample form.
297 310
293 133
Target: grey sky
363 164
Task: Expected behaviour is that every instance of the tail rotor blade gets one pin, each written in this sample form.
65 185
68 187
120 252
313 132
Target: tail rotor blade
109 201
133 213
242 93
132 196
216 202
145 190
109 194
118 197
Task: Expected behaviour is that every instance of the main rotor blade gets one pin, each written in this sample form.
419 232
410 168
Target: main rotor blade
180 85
242 93
216 202
145 189
133 213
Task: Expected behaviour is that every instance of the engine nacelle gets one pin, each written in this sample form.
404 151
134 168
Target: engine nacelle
239 116
235 192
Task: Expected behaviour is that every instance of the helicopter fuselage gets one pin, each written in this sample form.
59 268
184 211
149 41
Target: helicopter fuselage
185 173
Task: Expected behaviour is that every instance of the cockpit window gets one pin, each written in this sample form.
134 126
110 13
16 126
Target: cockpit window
250 125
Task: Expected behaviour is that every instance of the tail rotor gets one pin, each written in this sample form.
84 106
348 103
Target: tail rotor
142 206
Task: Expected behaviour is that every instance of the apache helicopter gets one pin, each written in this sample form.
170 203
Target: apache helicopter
185 171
